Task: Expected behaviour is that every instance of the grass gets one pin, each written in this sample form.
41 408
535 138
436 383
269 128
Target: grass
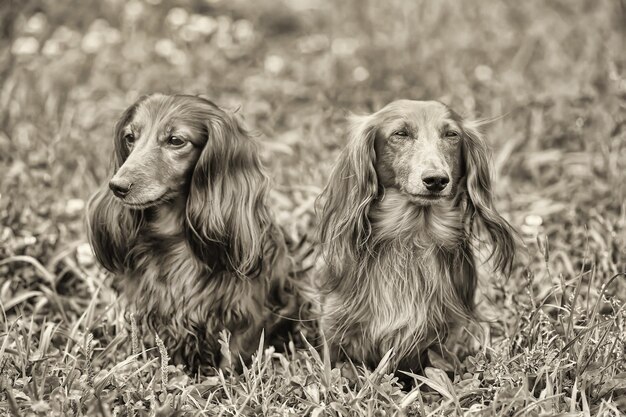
552 74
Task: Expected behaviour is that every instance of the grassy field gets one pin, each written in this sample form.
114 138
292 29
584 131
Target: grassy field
553 74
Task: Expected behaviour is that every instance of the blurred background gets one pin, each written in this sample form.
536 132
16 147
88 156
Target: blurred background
551 74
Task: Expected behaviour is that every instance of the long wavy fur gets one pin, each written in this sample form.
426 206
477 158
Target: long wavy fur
397 275
225 266
227 200
344 226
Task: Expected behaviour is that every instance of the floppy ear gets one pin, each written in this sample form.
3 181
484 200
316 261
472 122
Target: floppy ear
111 227
480 199
227 214
344 226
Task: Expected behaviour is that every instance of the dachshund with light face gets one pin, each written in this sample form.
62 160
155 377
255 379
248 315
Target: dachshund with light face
398 222
185 227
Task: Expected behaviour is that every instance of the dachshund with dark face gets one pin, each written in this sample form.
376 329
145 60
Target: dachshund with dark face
397 226
185 227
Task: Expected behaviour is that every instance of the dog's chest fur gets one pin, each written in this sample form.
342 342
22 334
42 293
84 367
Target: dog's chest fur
403 294
168 282
186 303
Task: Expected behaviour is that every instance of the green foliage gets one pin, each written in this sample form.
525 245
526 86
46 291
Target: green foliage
551 74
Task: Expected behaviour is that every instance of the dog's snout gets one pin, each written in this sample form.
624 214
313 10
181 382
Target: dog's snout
120 187
435 181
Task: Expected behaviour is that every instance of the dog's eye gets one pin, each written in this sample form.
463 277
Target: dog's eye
129 138
451 134
401 133
176 142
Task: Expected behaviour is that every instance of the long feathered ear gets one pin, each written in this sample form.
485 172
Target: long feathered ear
227 214
111 228
480 199
344 226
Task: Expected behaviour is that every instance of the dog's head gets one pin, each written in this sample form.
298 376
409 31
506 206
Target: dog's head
183 150
158 141
418 150
425 151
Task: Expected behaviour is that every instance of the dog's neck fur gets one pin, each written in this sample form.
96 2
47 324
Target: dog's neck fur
162 270
168 219
160 256
395 218
176 294
163 232
402 292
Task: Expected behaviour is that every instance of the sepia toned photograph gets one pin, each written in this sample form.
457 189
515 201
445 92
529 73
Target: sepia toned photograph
312 208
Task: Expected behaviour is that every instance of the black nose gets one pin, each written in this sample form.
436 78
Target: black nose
435 182
120 188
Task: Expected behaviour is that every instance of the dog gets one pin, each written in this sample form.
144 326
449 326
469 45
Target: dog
398 221
185 228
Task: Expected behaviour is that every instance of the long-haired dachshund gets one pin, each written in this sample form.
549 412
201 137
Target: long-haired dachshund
184 226
401 207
